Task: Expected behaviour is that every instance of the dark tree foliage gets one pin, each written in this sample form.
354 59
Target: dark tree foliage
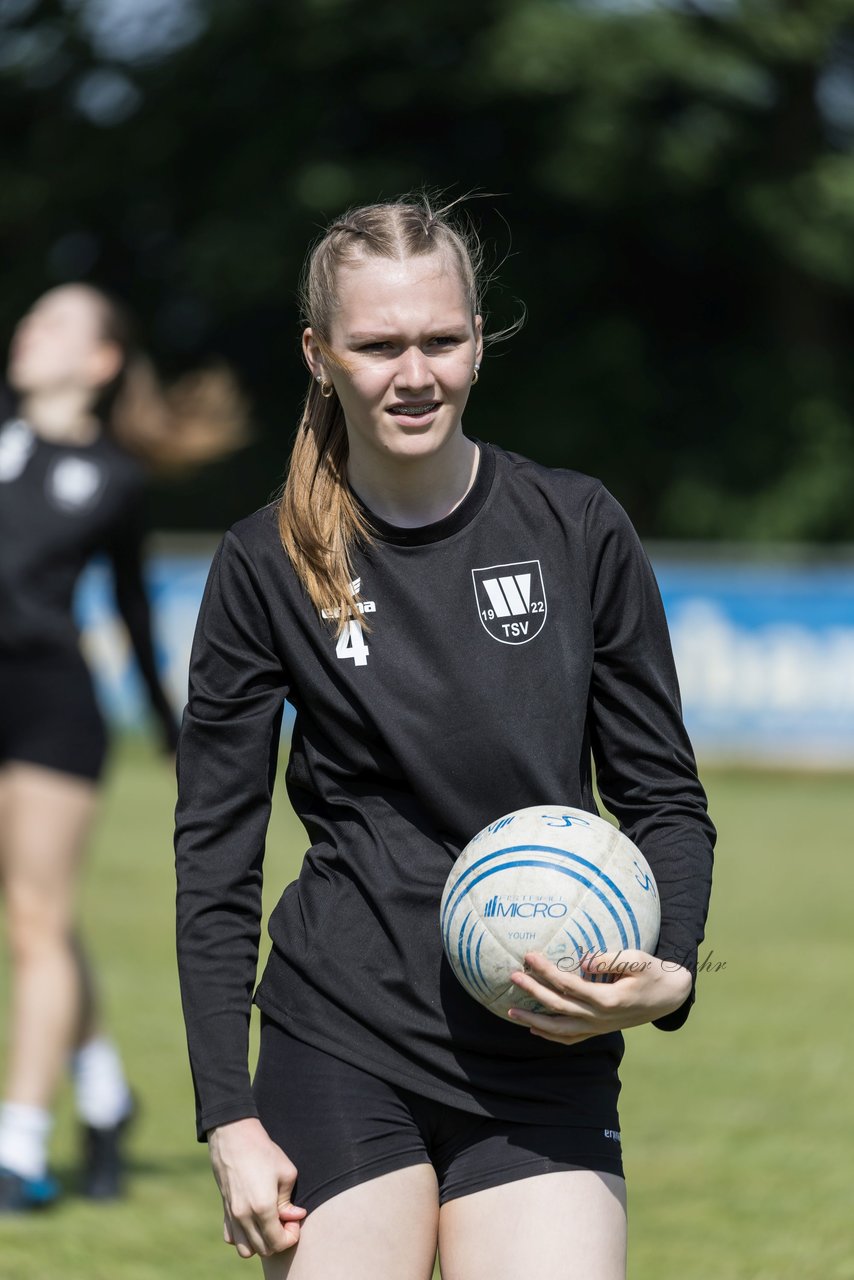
673 202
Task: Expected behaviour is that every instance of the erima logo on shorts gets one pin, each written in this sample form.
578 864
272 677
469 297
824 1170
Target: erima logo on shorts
613 1134
511 600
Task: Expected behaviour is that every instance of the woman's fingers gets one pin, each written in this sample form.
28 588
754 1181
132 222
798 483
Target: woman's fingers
617 964
566 981
256 1180
290 1232
253 1233
267 1229
236 1235
562 992
233 1233
290 1215
642 987
575 1008
261 1229
570 980
550 999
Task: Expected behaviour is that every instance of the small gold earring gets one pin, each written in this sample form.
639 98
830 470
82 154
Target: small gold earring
326 389
475 375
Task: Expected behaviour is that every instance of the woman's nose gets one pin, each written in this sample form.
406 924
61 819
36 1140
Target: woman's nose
413 371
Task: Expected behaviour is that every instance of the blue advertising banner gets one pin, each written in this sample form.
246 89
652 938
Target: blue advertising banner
765 653
765 656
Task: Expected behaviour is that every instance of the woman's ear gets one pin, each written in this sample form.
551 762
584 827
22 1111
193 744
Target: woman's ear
311 353
478 338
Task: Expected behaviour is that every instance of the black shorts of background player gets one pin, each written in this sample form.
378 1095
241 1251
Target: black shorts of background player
460 631
84 421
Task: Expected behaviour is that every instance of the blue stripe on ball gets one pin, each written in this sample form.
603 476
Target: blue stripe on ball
469 963
600 937
461 894
585 935
561 853
462 966
579 950
481 974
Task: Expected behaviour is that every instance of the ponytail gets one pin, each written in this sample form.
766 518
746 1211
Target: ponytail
319 519
201 417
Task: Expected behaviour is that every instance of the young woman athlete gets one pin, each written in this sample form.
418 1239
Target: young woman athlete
82 418
389 1111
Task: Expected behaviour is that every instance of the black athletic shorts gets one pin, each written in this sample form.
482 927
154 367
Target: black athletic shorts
48 712
342 1126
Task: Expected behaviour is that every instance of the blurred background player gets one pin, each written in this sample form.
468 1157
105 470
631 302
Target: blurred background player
83 421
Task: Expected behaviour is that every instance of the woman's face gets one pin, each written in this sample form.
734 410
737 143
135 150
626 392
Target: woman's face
59 345
407 344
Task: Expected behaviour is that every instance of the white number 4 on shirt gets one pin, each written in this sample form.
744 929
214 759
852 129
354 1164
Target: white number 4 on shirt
351 644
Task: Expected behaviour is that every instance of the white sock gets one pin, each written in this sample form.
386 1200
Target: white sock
24 1132
100 1088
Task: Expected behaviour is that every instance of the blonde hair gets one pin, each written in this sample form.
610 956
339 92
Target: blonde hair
320 521
201 417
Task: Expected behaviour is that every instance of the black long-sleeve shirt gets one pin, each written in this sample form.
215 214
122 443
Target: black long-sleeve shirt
509 643
61 504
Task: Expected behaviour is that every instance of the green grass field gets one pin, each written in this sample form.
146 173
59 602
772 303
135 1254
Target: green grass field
736 1129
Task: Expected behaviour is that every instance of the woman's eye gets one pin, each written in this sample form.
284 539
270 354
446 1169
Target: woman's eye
375 346
446 340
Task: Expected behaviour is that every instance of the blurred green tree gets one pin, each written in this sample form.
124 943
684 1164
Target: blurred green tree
675 208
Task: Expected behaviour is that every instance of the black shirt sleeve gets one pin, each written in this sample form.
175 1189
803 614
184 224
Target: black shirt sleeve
126 554
645 766
227 756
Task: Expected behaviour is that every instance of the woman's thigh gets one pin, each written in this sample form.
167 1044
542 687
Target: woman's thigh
382 1229
568 1225
47 817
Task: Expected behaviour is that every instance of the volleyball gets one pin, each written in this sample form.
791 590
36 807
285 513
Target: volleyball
547 878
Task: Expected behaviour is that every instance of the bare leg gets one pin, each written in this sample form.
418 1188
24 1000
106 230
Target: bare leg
567 1226
384 1229
88 1025
47 819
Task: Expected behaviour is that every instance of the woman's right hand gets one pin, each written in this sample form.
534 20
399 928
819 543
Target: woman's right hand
255 1179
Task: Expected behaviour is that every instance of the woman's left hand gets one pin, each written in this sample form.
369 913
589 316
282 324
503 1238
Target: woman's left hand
642 989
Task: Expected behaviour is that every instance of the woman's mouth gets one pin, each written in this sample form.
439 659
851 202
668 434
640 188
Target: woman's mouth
424 409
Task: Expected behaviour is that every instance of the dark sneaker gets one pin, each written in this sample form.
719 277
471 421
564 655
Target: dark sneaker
19 1195
102 1176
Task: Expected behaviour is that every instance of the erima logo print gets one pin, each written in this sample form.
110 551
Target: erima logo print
511 600
362 606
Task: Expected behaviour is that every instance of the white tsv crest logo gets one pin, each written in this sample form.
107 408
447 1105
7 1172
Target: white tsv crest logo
511 600
74 484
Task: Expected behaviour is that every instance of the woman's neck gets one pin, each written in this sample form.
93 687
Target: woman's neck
411 492
62 416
